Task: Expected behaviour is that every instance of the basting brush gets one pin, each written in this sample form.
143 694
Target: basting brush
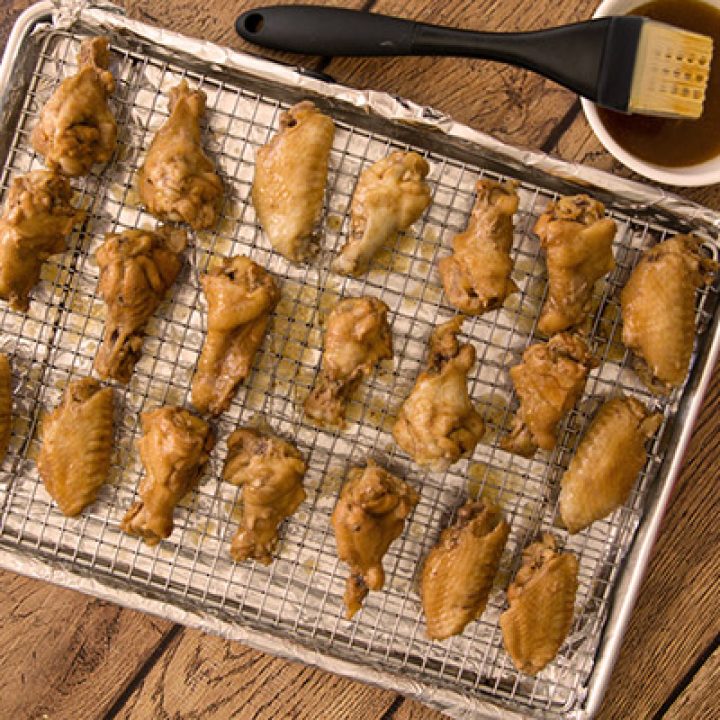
630 64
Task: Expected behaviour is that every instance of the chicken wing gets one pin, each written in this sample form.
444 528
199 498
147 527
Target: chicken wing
77 442
369 515
178 182
290 177
658 310
34 225
357 337
270 471
76 127
240 296
5 404
542 601
437 424
174 448
607 462
459 571
548 383
476 277
137 268
577 239
389 197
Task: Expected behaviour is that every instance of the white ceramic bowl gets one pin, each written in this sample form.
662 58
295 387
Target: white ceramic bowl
705 173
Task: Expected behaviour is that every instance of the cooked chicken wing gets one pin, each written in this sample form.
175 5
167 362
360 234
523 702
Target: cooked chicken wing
607 462
389 197
357 337
77 442
577 239
437 424
476 277
5 404
174 448
240 296
548 383
542 601
178 181
270 471
137 268
459 571
658 310
369 515
34 225
290 178
76 127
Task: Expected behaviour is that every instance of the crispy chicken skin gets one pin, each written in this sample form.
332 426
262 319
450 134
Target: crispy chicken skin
76 128
357 337
174 448
178 182
577 239
34 225
290 177
548 382
77 443
5 404
459 571
137 268
607 462
658 310
240 296
542 601
389 197
270 472
476 277
437 424
369 515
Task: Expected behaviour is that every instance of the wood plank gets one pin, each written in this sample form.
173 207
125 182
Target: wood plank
413 710
66 655
515 105
701 699
200 676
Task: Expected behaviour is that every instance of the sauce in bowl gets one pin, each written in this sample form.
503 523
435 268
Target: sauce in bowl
666 141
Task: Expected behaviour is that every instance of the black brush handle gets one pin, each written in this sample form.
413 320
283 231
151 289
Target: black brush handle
571 55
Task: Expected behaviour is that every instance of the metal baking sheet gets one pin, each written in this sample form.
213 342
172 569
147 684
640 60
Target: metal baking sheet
294 607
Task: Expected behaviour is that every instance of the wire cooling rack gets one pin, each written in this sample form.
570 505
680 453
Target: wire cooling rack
300 595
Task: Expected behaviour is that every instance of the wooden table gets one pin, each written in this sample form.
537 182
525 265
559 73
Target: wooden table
66 655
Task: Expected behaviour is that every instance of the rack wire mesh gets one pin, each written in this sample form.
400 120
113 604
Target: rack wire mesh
300 595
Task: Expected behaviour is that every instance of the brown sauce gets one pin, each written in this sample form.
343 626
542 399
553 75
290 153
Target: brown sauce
668 142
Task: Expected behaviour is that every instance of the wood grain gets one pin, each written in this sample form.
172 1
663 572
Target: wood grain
513 104
206 677
66 655
413 710
701 699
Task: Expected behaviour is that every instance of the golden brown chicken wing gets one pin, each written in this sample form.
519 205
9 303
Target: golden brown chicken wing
77 442
270 471
178 182
658 310
34 225
548 383
542 601
369 515
76 127
389 197
357 337
137 268
577 239
607 462
290 177
437 424
459 571
476 277
5 404
174 448
240 296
